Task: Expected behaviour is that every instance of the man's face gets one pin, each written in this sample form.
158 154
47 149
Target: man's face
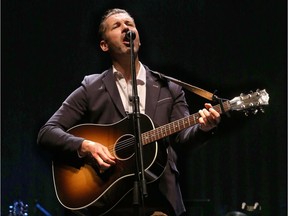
114 40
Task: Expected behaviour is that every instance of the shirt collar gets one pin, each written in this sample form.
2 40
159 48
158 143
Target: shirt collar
141 77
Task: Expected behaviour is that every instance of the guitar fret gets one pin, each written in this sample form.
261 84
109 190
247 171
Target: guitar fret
146 138
163 131
195 117
158 133
168 129
188 122
178 125
183 123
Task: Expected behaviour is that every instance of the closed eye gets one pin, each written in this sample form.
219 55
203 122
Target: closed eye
115 25
129 23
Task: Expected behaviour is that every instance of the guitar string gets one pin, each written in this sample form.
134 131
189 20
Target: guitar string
131 141
122 145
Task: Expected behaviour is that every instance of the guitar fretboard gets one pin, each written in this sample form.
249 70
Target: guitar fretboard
178 125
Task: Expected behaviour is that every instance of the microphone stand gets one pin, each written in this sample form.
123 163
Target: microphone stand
139 189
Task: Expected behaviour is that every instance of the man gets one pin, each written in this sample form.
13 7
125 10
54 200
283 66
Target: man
104 99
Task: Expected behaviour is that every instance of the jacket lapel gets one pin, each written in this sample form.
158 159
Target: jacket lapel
113 91
152 94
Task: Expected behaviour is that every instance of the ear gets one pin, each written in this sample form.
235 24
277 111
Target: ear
104 45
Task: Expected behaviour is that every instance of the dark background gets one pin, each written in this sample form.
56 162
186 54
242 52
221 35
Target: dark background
229 46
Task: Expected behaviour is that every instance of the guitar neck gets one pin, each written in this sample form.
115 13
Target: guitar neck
178 125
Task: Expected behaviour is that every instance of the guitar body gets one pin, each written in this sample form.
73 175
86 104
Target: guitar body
78 182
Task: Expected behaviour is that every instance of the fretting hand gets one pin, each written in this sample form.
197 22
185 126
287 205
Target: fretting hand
209 118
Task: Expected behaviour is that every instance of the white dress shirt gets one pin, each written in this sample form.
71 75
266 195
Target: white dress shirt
125 89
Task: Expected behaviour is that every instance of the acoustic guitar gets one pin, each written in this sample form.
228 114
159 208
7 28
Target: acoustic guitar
78 182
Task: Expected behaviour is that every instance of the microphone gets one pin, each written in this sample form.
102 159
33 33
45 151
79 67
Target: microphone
130 35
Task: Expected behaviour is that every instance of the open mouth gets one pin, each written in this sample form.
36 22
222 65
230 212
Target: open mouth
126 41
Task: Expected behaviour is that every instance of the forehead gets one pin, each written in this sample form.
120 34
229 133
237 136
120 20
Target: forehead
118 18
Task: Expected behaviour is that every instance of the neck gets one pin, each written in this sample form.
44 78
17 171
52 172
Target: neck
124 67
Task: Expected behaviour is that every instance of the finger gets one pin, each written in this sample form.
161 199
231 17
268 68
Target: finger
102 164
208 106
215 115
206 113
201 112
203 119
108 153
106 156
213 112
207 118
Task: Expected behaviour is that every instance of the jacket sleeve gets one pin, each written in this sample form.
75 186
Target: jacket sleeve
53 133
193 135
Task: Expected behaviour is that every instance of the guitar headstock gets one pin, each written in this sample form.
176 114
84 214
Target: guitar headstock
251 102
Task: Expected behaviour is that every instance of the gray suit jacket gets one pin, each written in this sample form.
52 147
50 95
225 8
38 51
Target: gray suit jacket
97 100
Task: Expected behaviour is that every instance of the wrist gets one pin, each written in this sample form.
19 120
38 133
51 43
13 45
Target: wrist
84 148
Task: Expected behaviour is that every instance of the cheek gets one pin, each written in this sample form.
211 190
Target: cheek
137 41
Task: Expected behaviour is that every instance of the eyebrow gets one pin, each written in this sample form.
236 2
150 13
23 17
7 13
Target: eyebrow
129 22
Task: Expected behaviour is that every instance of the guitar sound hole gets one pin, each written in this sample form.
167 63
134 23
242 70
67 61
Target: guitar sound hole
125 146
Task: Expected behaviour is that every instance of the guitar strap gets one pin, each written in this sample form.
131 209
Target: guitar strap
201 92
196 90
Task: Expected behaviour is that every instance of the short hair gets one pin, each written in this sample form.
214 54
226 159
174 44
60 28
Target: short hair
107 14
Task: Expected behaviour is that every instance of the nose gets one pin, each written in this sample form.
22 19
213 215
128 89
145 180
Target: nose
125 28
